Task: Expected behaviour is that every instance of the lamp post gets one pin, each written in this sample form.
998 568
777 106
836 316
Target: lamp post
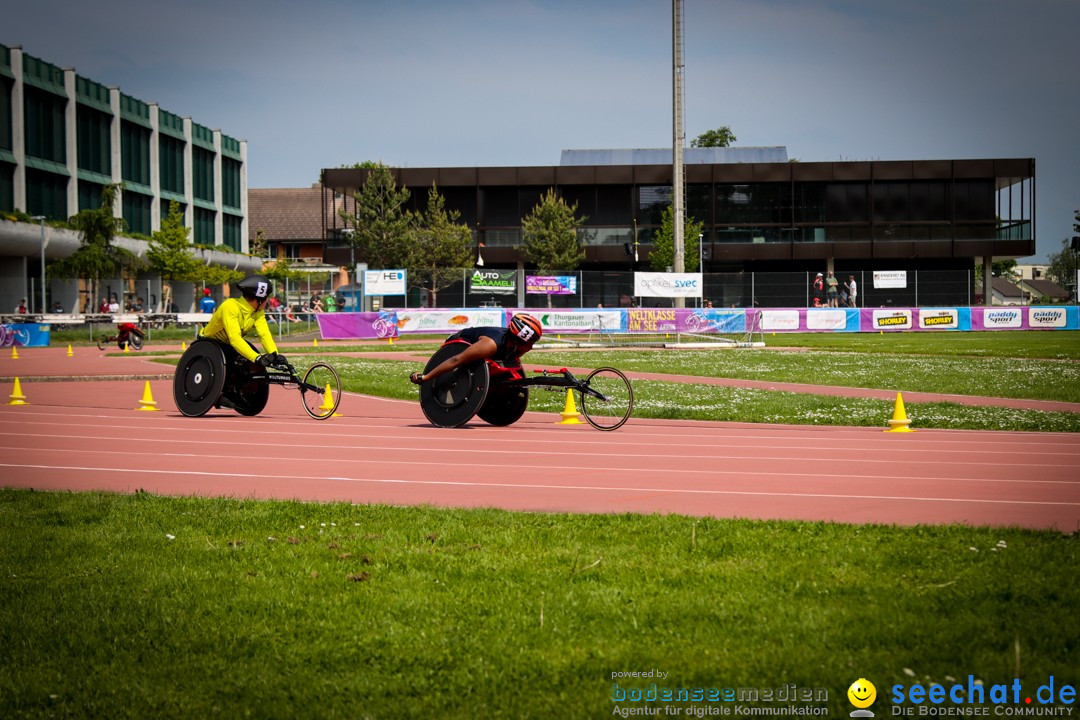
41 221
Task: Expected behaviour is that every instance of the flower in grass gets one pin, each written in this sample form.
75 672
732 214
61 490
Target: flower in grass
909 672
973 549
302 527
170 537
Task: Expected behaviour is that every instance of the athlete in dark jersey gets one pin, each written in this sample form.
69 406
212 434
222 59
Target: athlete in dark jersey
503 345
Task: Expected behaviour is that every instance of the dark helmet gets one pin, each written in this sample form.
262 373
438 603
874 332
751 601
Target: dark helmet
255 287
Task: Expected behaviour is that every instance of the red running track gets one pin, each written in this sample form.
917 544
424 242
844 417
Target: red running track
88 436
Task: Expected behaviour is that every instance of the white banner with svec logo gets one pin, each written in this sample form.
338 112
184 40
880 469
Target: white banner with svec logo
654 284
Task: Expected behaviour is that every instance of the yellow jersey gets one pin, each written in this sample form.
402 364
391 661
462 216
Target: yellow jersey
234 319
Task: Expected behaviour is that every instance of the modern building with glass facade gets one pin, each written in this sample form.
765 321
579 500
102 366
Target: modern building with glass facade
761 213
63 137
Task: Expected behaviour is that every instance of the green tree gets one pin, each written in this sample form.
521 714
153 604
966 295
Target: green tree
218 275
720 137
1064 263
663 253
170 253
439 248
97 257
382 225
550 233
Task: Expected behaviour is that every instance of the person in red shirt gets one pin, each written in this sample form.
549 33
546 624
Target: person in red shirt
21 309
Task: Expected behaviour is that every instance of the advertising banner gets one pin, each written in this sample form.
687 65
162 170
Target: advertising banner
781 320
448 321
493 282
25 335
890 278
362 325
1049 317
578 321
652 320
997 318
551 285
384 282
706 321
832 320
654 284
887 319
944 319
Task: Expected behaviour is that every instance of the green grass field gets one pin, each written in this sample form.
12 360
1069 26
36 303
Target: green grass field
140 606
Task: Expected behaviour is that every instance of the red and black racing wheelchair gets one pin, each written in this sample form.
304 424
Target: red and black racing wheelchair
499 395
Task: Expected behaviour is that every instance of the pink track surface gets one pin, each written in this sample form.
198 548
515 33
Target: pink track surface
88 436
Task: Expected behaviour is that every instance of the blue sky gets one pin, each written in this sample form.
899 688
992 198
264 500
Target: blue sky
513 82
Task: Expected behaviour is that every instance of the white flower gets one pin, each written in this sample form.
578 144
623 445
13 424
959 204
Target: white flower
909 672
170 537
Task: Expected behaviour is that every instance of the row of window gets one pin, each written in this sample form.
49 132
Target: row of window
745 204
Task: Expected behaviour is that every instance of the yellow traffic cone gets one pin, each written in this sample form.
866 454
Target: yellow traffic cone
14 353
126 346
70 352
390 341
183 345
147 403
328 402
314 342
569 413
899 421
17 398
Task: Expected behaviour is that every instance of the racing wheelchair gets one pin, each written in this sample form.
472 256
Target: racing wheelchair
212 375
126 333
499 395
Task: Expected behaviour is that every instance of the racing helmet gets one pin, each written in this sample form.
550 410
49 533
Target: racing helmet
255 287
525 328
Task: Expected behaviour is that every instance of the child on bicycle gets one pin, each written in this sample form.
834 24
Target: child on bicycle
504 346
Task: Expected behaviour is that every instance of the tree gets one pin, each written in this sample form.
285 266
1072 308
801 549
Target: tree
381 226
170 253
97 257
440 247
1064 263
720 137
663 253
550 233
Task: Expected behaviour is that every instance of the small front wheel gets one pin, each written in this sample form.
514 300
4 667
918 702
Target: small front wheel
606 399
323 402
102 342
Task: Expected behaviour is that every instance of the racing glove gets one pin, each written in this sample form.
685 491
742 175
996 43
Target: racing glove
279 359
416 378
265 360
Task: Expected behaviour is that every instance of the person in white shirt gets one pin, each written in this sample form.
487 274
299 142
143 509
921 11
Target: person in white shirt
852 291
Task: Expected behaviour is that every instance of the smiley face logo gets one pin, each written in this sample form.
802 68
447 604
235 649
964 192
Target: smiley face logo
862 693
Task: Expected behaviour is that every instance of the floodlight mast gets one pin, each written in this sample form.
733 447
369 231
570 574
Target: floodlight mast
678 178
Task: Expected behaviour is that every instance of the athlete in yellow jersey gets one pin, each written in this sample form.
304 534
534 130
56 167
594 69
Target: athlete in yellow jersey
236 317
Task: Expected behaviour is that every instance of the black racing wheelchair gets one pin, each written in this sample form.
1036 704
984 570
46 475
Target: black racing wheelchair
212 375
499 395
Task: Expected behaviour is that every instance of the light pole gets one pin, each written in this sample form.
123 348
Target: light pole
701 269
41 221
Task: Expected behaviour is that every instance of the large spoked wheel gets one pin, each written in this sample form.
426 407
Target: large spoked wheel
199 378
451 400
323 403
611 411
135 340
504 406
102 342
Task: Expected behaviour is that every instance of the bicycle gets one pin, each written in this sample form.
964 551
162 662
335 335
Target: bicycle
204 380
129 333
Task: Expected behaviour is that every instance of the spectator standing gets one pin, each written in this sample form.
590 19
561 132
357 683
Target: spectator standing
114 305
852 291
832 290
21 307
207 304
331 303
818 288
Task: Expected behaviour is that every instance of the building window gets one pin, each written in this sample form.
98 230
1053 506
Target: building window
204 226
171 164
230 183
230 228
202 174
89 195
44 117
94 141
46 194
135 153
136 210
753 203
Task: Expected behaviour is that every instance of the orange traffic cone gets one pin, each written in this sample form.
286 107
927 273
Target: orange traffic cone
569 413
328 402
17 397
147 403
899 421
